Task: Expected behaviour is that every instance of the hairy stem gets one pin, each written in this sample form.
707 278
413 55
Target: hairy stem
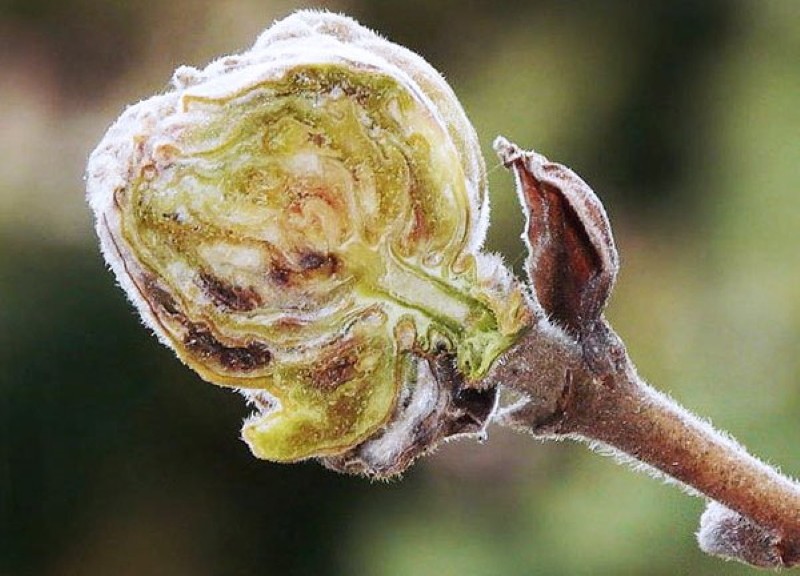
594 393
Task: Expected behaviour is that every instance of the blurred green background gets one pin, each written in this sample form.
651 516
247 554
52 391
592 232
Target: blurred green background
115 459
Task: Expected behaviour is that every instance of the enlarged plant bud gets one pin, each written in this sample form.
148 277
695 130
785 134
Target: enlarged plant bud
303 222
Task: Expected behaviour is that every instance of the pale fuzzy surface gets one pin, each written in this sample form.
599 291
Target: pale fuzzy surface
493 272
111 165
423 400
725 533
710 537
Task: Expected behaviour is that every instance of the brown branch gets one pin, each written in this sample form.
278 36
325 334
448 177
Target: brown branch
577 381
591 391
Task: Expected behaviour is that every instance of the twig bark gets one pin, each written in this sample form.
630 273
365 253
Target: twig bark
599 398
577 380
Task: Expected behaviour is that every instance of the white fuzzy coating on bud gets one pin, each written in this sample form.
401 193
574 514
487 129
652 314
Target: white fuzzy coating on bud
730 535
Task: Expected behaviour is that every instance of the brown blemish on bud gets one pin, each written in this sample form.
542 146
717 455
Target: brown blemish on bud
119 198
309 263
149 171
344 413
325 263
453 409
280 275
420 228
228 296
290 324
357 93
317 139
166 153
334 371
155 294
405 335
202 343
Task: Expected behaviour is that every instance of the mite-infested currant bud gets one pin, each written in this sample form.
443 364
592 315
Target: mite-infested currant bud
303 222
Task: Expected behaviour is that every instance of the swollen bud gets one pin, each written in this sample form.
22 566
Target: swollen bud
303 222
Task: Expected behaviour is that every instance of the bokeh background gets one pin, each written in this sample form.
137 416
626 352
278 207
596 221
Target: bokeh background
115 459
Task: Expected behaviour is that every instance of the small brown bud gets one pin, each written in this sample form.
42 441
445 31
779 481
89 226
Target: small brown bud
572 261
